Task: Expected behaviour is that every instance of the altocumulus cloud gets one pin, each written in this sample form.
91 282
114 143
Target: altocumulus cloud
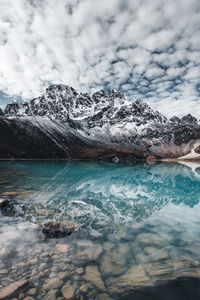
150 50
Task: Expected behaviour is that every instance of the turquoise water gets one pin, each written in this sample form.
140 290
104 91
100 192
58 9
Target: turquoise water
136 226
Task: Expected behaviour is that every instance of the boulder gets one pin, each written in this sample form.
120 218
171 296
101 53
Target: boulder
135 277
93 275
56 230
9 290
7 207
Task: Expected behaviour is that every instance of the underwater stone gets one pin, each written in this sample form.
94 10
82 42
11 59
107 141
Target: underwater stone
103 296
68 291
53 283
7 207
51 295
11 288
62 248
133 278
53 229
93 275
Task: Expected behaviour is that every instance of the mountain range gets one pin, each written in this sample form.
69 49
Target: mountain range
65 124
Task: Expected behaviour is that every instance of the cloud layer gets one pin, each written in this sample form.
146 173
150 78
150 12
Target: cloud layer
150 50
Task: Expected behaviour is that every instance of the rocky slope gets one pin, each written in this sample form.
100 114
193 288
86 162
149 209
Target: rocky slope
63 123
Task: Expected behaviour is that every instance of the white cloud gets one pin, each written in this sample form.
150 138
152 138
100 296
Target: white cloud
153 72
149 49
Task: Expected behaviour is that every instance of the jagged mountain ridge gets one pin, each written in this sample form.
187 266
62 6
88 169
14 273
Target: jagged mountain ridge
103 124
64 103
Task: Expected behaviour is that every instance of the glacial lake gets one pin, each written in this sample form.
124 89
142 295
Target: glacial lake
137 231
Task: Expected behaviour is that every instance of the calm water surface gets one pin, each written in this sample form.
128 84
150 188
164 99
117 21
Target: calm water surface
138 227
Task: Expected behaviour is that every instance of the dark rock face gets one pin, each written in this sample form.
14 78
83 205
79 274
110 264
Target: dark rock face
7 207
12 108
64 103
189 119
65 124
175 120
25 139
1 112
57 230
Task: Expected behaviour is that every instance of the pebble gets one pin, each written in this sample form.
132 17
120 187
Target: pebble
32 261
3 251
52 275
9 193
68 291
103 296
21 296
3 272
45 254
56 256
68 267
51 295
62 275
62 248
53 283
41 274
79 271
84 288
42 266
32 291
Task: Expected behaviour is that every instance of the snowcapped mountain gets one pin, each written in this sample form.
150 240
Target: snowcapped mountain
63 123
65 104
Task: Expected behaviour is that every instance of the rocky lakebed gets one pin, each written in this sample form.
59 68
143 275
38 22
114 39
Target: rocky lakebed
122 242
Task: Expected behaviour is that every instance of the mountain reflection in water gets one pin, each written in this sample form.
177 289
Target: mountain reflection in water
139 227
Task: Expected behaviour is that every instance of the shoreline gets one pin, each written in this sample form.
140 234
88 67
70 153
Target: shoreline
90 160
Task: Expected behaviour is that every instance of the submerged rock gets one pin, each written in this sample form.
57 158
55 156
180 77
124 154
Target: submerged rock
133 278
51 295
93 275
11 288
62 248
53 283
56 230
7 207
68 291
103 296
87 250
112 263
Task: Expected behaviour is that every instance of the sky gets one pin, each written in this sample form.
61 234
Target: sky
148 49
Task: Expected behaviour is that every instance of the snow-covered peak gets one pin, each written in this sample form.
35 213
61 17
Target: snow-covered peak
64 103
77 124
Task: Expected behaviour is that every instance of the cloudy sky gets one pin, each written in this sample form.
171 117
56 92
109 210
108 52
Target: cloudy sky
150 50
